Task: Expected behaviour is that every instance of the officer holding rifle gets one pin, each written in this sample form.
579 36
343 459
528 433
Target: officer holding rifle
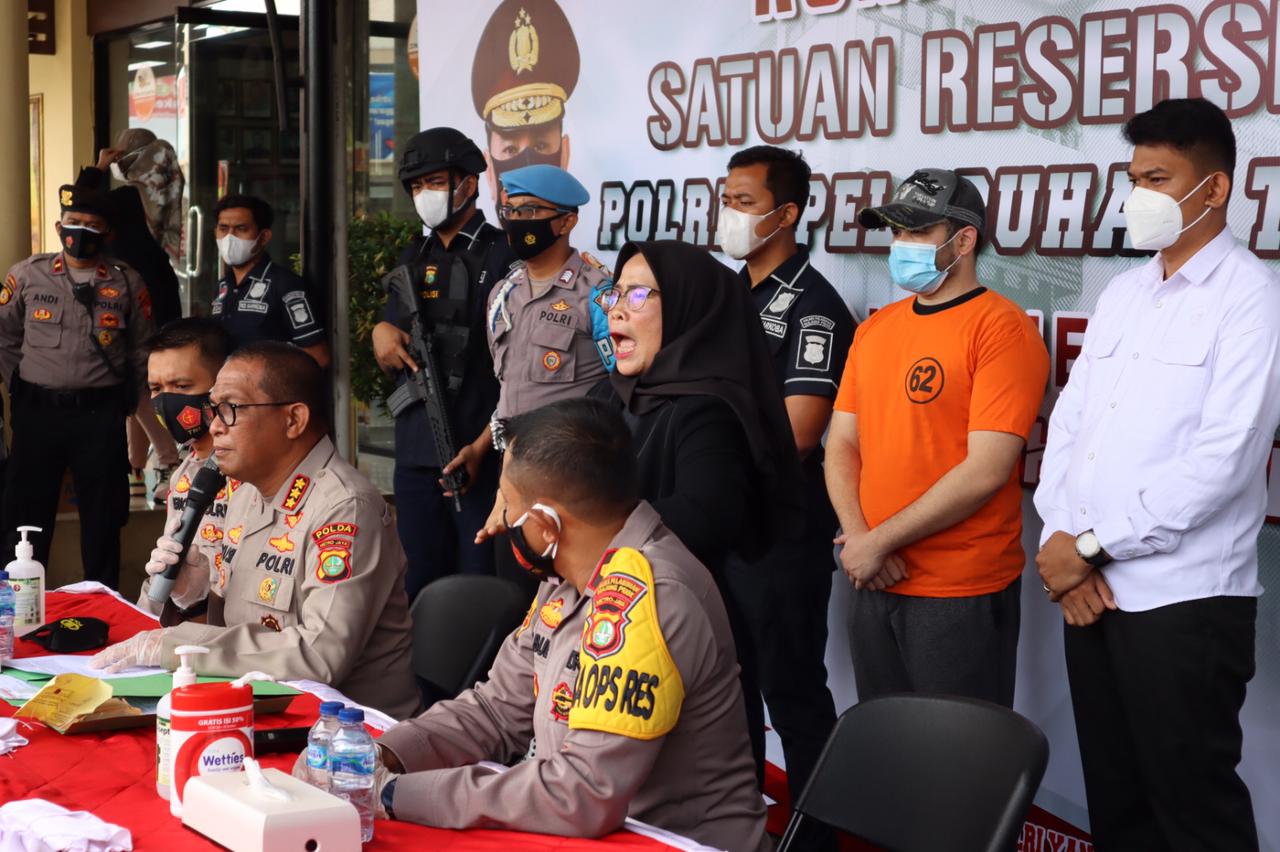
439 288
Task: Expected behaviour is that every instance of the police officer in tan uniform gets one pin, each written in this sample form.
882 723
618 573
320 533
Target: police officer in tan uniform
183 360
309 583
71 325
623 672
547 332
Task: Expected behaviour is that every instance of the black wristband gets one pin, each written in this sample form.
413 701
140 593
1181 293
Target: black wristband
388 796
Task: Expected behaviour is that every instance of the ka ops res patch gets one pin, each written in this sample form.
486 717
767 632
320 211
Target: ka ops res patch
627 683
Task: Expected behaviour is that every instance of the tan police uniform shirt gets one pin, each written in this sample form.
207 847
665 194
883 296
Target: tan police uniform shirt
630 692
542 347
212 529
45 333
310 585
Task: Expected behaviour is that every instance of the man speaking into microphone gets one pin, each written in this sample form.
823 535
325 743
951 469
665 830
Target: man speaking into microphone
309 579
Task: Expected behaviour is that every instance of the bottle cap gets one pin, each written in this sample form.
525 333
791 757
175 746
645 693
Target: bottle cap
331 708
351 715
25 549
185 675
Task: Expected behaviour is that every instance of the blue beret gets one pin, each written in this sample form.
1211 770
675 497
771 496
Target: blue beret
550 183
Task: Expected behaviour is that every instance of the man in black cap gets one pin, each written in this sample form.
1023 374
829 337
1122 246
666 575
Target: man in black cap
525 68
70 331
453 270
938 396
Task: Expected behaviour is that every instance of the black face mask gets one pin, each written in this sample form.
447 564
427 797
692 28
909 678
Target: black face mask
527 157
539 565
180 414
530 237
81 241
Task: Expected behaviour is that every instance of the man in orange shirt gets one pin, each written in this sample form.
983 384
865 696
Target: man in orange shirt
938 395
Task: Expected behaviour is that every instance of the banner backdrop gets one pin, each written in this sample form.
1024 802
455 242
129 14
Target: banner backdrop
645 102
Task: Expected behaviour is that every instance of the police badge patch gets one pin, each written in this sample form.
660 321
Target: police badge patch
814 352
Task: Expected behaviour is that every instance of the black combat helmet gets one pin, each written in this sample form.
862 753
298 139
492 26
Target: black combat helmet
439 148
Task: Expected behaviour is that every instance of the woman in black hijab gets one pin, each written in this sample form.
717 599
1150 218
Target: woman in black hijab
696 383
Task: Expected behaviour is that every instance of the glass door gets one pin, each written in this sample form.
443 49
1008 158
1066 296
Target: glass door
228 135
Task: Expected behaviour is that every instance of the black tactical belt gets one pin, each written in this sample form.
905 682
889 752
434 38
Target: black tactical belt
83 398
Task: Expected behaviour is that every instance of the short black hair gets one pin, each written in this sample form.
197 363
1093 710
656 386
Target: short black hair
578 451
261 211
289 374
209 336
1193 126
787 175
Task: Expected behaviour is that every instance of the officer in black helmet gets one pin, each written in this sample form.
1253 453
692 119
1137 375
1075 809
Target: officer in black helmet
454 268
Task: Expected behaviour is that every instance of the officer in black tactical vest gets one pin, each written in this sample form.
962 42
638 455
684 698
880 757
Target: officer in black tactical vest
453 271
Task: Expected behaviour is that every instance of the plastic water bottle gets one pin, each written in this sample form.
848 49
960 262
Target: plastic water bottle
318 743
353 757
7 606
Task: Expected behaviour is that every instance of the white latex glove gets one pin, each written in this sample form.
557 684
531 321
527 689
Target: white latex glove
144 649
192 585
381 775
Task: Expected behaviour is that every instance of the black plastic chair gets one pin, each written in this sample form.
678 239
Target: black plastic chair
459 622
923 772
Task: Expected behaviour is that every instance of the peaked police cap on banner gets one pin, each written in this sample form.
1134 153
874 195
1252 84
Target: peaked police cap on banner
926 198
526 65
439 148
550 183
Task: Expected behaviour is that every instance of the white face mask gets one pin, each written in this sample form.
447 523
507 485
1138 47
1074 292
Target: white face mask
432 206
236 251
737 231
1154 219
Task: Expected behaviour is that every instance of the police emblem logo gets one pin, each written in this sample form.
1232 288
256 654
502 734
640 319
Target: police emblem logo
268 588
530 239
561 305
561 701
522 46
109 292
66 198
7 290
298 310
281 543
210 533
234 533
104 337
551 613
781 302
334 562
259 289
272 622
71 623
814 353
605 630
42 314
551 361
430 274
184 485
109 320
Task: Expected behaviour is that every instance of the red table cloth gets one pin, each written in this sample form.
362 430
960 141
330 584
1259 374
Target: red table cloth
113 774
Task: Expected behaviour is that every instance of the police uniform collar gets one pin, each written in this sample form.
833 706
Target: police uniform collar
466 237
574 267
636 530
788 272
256 273
302 481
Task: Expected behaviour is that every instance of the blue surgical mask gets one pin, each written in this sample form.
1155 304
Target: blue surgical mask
913 266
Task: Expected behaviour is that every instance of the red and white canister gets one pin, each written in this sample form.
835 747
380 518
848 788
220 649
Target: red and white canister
211 732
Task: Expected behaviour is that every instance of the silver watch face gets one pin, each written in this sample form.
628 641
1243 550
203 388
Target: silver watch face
1087 545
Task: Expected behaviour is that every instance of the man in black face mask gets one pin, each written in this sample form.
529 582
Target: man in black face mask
547 333
70 329
183 360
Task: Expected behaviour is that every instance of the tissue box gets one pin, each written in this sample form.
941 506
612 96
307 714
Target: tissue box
228 811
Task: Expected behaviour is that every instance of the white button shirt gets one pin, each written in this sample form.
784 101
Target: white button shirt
1159 442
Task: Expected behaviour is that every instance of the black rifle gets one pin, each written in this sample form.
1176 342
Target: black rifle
424 385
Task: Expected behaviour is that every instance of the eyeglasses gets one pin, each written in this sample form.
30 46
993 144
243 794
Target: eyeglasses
527 211
636 297
226 411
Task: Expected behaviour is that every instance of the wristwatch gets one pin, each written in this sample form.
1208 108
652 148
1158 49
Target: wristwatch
1090 549
388 797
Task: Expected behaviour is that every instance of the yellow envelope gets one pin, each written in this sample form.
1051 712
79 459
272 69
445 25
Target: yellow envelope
65 699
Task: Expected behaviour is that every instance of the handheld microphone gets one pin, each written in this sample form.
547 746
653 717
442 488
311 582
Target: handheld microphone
205 486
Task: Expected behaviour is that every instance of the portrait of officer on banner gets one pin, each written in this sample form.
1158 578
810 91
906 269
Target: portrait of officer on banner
526 67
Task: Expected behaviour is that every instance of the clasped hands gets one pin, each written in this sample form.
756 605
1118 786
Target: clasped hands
1072 583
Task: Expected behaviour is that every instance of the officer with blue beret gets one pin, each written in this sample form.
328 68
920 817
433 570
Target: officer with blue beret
547 332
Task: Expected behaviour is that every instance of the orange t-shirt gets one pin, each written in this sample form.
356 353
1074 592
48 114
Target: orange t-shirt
920 379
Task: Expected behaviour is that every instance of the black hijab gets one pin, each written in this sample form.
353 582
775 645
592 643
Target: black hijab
713 345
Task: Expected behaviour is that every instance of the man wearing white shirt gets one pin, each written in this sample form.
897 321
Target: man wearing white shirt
1152 492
